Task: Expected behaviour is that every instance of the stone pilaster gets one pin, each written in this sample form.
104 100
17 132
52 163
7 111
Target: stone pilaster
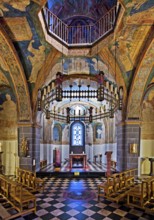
127 133
32 135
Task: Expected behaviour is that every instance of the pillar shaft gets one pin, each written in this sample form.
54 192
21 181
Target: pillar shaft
32 135
127 134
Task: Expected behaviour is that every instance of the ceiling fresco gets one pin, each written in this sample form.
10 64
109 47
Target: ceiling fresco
79 65
67 10
128 51
22 26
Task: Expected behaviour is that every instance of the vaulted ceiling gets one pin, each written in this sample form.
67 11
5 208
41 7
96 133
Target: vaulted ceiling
27 60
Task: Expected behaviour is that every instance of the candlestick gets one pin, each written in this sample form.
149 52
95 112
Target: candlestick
33 162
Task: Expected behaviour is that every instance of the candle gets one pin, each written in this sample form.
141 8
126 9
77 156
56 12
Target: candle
0 147
33 162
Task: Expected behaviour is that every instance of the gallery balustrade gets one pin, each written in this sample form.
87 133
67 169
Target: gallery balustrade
80 34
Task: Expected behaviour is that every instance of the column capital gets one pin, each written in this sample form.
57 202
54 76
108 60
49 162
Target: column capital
26 124
130 122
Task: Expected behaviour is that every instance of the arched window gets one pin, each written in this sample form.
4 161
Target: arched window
77 137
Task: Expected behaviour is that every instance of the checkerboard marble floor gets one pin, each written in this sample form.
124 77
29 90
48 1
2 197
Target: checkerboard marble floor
77 199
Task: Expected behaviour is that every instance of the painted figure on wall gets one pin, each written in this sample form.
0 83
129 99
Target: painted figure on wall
100 133
18 4
147 131
7 108
37 59
47 130
8 119
65 135
57 133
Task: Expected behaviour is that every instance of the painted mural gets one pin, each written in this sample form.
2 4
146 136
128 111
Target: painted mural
3 79
131 35
147 129
17 4
37 59
20 22
65 134
47 130
99 133
140 79
57 133
93 9
79 65
8 117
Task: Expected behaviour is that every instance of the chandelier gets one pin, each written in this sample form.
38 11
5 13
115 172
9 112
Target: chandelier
85 89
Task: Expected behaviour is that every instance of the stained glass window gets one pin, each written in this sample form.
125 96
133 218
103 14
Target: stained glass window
77 134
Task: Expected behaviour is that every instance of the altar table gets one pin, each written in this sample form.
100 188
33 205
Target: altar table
78 156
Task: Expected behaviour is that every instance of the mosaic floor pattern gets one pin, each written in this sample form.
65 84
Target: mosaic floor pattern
70 199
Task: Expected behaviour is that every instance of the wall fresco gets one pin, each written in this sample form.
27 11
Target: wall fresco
131 35
3 80
79 65
8 117
37 59
147 129
21 93
17 4
17 28
129 44
136 6
140 79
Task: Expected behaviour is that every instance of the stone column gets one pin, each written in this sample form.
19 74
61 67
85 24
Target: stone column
127 133
32 135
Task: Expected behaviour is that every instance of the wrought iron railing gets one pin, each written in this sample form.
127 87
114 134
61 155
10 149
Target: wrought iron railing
83 34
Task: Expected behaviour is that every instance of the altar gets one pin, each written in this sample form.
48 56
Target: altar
78 156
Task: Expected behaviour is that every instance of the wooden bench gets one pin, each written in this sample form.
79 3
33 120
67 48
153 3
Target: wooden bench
29 179
20 198
139 195
129 177
116 187
106 188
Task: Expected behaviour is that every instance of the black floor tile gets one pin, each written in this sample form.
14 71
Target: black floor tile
58 189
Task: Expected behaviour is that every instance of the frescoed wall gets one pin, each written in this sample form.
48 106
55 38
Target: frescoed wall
8 131
148 116
147 131
8 116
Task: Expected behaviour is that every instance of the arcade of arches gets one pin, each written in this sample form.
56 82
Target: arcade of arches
29 61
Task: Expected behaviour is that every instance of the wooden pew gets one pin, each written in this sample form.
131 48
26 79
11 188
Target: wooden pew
139 195
20 198
117 185
23 198
29 179
129 176
106 188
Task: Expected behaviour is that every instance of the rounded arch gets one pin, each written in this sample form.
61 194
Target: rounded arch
42 76
16 76
141 77
77 137
57 133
